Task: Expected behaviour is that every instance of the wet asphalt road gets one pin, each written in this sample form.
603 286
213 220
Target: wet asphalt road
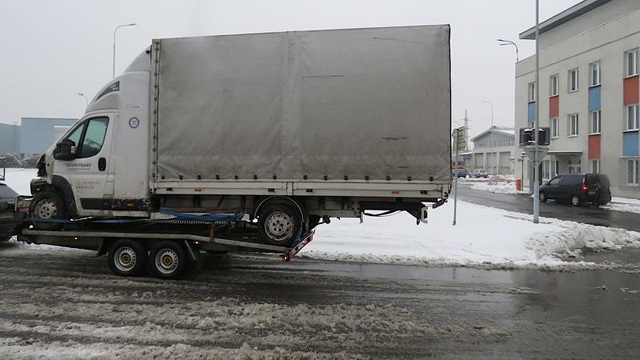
68 303
586 213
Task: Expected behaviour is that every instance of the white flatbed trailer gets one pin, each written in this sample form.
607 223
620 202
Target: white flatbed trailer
167 252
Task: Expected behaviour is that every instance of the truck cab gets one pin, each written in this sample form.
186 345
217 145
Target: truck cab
77 175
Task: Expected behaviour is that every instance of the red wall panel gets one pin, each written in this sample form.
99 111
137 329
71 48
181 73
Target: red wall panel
631 89
554 106
594 147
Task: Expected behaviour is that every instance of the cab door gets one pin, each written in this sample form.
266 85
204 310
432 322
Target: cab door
87 170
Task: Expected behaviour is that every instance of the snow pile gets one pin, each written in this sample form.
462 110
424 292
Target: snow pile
500 187
483 236
580 237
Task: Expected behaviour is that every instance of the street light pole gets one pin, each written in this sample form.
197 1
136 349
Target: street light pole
113 73
536 170
492 142
509 42
85 98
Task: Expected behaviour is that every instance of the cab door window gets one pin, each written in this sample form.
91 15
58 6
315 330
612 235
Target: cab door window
76 134
93 137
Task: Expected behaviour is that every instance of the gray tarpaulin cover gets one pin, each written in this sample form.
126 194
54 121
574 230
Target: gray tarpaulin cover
365 102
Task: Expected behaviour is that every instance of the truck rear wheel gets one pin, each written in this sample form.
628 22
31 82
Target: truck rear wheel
127 257
168 260
279 223
47 205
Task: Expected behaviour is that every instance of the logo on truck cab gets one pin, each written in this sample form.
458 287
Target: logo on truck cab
78 166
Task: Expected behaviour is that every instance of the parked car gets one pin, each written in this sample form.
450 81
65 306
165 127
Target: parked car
578 188
460 173
7 203
480 173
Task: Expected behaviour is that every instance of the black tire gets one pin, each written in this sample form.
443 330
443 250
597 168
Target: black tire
127 257
47 205
168 260
575 200
542 197
279 223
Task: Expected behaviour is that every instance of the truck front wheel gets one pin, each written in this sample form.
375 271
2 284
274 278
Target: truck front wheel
279 223
127 257
46 206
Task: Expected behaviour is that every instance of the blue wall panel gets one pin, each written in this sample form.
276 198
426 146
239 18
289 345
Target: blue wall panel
595 102
9 138
37 134
630 143
532 111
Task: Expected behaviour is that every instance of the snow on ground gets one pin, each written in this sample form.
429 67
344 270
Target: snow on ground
19 180
501 187
623 204
482 236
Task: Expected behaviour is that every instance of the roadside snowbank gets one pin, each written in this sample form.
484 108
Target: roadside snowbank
483 236
623 204
501 187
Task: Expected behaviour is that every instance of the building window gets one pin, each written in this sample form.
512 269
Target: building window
555 128
573 80
632 172
594 74
595 166
573 125
531 97
596 122
631 63
553 85
545 169
633 116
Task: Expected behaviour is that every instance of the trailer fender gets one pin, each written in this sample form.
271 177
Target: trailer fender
193 253
103 248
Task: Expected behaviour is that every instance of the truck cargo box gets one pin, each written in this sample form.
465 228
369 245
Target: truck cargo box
339 106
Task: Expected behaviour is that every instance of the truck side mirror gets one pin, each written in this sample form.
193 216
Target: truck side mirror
65 150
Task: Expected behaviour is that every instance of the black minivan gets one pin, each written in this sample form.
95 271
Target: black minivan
578 188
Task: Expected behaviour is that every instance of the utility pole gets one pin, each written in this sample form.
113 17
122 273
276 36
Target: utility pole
536 169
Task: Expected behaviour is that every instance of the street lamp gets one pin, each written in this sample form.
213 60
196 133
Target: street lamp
113 74
509 42
491 142
85 98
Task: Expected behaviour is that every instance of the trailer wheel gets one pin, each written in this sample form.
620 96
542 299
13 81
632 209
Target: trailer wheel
168 260
279 223
47 205
127 257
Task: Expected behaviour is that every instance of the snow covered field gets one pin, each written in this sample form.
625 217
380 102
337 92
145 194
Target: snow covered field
483 236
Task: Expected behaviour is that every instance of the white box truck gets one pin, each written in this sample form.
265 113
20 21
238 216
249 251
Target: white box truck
281 130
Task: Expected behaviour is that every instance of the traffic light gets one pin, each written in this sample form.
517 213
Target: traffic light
527 136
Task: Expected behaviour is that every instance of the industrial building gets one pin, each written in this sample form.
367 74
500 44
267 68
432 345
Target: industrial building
493 151
33 135
589 92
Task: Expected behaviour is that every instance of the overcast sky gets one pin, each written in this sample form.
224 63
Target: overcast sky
54 49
